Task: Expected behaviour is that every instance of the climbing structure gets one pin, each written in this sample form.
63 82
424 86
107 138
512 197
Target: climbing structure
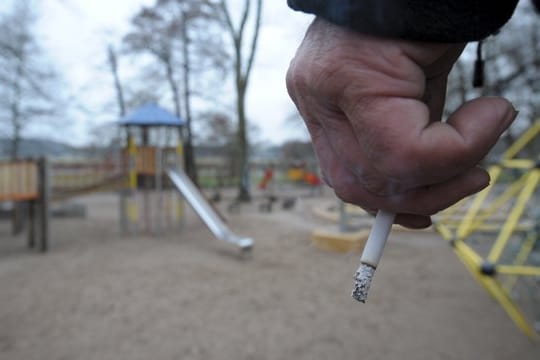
153 144
496 234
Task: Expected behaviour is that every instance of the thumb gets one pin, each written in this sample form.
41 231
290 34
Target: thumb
470 132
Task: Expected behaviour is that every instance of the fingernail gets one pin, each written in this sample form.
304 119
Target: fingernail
510 114
513 114
482 181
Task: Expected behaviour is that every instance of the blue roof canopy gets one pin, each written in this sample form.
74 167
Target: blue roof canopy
151 115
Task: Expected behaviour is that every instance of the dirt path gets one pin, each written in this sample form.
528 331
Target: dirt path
99 295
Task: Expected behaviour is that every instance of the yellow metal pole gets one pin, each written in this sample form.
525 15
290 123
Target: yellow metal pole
502 199
496 227
444 230
467 252
472 262
523 164
514 216
474 220
466 225
518 270
522 141
448 214
132 153
521 258
508 305
133 214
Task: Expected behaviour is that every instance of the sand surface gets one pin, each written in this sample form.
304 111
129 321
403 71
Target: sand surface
101 295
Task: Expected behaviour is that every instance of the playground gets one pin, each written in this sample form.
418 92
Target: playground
125 258
101 294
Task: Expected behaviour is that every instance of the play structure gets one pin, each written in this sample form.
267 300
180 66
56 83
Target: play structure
146 173
152 144
496 234
299 173
27 181
350 231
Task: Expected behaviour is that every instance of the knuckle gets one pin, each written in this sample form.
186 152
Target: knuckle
400 161
294 80
349 190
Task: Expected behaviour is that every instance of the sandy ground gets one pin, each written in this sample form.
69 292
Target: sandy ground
101 295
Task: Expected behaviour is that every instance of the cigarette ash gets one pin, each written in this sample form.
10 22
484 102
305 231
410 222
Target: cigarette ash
362 282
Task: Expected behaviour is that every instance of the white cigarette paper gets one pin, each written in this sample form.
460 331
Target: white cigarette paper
372 254
377 238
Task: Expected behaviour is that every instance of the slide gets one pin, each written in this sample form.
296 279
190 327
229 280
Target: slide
205 211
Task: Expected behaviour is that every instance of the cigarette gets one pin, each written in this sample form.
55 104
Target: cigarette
372 254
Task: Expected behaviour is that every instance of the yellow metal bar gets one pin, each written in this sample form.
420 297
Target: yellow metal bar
524 164
132 154
494 227
522 141
180 149
131 203
470 260
502 199
465 228
521 258
514 216
518 270
446 215
469 253
526 248
474 220
444 231
508 305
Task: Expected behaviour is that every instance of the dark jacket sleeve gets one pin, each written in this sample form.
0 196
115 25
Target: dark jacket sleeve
427 20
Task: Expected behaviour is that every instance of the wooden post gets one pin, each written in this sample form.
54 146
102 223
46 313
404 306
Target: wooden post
159 211
180 205
132 207
123 192
44 196
19 217
31 224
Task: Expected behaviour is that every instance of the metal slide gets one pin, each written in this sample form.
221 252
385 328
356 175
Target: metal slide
205 211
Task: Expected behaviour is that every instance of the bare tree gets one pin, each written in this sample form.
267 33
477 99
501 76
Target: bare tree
152 34
113 63
243 63
164 31
511 69
25 79
217 130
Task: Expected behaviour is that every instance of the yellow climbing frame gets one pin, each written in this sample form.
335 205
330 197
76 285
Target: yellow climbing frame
497 275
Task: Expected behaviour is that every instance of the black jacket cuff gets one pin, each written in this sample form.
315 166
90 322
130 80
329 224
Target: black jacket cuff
436 20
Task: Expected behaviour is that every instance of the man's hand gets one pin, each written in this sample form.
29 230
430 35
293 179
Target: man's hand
373 108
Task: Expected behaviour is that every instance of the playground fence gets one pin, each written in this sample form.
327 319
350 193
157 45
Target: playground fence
18 180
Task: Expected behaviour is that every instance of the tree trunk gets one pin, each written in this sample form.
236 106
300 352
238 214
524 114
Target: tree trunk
242 73
191 168
243 146
117 84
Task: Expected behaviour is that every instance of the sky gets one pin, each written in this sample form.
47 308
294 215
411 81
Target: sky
75 33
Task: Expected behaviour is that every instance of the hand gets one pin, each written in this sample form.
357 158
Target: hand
373 108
